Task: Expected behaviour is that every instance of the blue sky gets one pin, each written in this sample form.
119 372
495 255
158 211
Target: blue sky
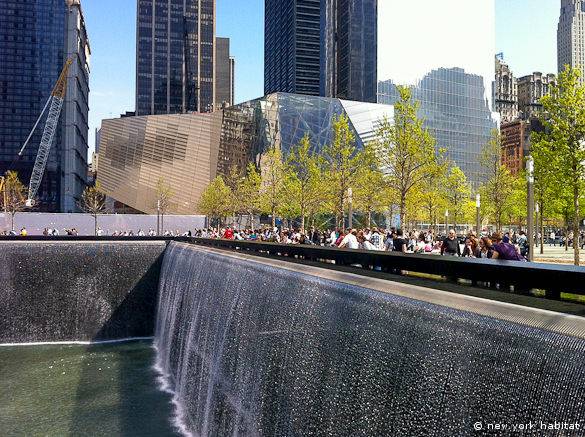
525 32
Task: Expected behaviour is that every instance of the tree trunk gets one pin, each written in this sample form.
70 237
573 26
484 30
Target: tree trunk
402 210
303 219
273 218
95 225
541 230
162 223
369 219
12 221
575 223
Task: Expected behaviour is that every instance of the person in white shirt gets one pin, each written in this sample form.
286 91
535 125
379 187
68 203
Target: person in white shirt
350 240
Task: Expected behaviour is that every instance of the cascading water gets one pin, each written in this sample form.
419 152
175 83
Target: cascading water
249 349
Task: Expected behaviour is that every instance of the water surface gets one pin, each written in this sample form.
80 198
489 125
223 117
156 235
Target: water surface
82 390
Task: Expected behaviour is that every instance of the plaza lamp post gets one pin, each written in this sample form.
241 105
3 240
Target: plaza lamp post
158 217
350 207
446 222
477 215
530 217
536 222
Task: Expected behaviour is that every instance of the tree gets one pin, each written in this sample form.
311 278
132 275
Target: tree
247 193
342 160
272 170
457 194
563 117
406 149
303 180
164 195
14 198
93 202
371 192
545 180
497 189
431 193
215 200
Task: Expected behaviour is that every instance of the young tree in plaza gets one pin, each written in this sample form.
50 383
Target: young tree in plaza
303 179
247 193
93 202
371 193
496 191
545 181
341 162
164 195
14 195
563 117
405 148
215 201
457 194
272 188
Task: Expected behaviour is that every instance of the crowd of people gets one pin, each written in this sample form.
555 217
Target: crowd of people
509 246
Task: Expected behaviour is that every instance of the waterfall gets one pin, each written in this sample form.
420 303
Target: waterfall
249 349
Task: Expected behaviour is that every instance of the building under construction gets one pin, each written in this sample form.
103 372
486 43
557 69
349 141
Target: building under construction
36 39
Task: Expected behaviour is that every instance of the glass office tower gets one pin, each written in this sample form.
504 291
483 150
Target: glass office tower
36 38
175 56
349 49
292 46
449 66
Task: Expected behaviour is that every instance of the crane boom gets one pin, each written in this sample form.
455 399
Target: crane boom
55 104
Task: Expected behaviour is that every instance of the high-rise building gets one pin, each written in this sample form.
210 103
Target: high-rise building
292 46
224 73
36 38
505 91
571 36
175 56
531 89
349 62
321 47
515 141
450 71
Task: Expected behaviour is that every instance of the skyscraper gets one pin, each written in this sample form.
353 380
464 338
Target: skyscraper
505 92
531 89
449 67
224 73
175 56
36 38
571 36
349 49
292 46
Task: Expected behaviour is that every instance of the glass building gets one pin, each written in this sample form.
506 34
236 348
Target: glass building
175 51
349 49
189 150
450 72
36 38
292 46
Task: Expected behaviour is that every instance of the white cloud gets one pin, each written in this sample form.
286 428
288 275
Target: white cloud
415 37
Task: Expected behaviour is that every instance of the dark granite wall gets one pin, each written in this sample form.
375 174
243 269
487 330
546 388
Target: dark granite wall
64 291
254 350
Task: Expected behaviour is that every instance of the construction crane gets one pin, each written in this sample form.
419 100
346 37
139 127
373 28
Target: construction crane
54 103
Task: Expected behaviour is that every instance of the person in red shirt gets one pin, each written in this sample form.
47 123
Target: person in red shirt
229 234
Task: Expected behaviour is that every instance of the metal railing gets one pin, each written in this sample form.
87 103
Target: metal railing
522 276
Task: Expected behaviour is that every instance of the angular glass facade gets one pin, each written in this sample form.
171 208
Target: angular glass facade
453 105
175 47
34 44
450 71
189 150
349 32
